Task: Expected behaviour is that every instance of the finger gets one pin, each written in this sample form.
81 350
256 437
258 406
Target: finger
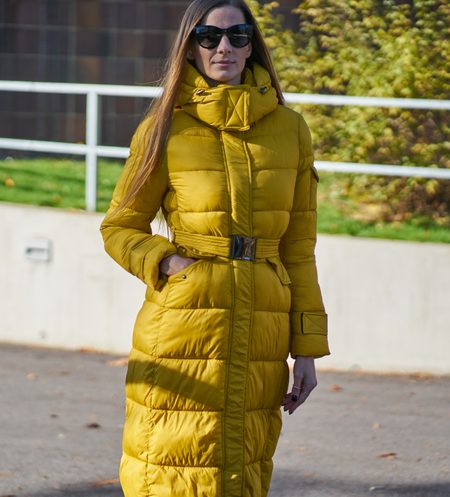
289 405
296 398
297 388
294 393
290 399
306 389
287 400
294 404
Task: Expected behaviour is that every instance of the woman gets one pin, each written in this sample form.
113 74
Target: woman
236 290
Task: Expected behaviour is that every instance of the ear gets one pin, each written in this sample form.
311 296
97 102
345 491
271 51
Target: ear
190 54
249 50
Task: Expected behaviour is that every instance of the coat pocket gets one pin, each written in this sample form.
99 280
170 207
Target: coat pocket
183 273
164 281
280 270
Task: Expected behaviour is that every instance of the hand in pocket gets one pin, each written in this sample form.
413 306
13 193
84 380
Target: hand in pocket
174 263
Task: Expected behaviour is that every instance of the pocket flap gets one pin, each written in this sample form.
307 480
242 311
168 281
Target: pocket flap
314 323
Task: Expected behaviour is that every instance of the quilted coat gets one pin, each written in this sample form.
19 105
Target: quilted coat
207 371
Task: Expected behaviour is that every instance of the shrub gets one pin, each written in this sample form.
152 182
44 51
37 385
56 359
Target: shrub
380 48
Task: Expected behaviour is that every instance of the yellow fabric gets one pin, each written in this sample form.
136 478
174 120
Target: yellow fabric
216 245
207 370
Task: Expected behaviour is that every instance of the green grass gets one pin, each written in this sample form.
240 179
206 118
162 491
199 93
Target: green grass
61 183
338 214
55 182
332 221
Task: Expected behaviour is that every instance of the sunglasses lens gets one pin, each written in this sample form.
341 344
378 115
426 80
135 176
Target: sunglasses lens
209 36
240 35
239 41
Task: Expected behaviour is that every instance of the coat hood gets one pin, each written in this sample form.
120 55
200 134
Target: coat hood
228 107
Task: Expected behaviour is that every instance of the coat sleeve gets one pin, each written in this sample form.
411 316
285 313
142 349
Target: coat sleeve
127 233
307 316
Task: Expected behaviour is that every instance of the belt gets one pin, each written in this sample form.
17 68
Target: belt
245 248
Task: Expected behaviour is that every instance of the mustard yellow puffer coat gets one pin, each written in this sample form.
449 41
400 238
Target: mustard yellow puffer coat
207 371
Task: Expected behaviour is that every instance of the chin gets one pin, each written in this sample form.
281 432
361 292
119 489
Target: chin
225 78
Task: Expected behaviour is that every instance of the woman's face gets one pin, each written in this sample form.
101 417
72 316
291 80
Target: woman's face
225 63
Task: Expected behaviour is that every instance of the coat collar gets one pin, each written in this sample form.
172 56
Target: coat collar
227 107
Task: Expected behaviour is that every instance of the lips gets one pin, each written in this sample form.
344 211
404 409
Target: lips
223 62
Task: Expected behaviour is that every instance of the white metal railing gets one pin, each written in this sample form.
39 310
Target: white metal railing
92 150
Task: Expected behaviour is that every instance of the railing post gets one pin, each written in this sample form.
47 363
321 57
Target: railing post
92 126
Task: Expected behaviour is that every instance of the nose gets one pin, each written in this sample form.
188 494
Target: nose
224 45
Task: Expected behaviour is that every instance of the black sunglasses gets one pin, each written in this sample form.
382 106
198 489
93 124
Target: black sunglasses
209 37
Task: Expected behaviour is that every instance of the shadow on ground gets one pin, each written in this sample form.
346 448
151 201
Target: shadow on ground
287 484
283 485
86 490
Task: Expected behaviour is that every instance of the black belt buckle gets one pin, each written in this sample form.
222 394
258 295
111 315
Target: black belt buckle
243 247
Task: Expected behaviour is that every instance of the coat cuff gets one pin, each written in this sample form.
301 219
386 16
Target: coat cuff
151 259
309 334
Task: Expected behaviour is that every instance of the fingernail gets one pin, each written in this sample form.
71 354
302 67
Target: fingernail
294 398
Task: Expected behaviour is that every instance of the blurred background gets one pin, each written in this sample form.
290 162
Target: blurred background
328 49
366 48
84 41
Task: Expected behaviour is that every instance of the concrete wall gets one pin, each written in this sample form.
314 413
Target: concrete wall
388 302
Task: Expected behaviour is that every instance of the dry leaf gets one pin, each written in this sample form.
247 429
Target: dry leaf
104 483
115 363
336 388
388 455
6 474
88 350
309 474
92 425
421 376
376 426
9 182
32 376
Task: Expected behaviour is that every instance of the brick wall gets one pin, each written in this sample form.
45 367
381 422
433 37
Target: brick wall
84 41
81 41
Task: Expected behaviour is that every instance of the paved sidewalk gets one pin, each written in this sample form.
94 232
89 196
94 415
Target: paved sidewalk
61 416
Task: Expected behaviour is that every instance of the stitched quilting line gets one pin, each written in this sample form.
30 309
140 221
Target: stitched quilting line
232 108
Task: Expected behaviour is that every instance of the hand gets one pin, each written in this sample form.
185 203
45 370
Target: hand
304 383
174 263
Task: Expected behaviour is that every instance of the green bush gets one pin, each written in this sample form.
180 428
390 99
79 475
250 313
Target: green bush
379 48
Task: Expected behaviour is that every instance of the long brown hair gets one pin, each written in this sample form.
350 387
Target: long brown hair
161 110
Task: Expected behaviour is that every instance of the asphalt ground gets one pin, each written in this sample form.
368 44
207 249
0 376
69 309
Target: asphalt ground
61 418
